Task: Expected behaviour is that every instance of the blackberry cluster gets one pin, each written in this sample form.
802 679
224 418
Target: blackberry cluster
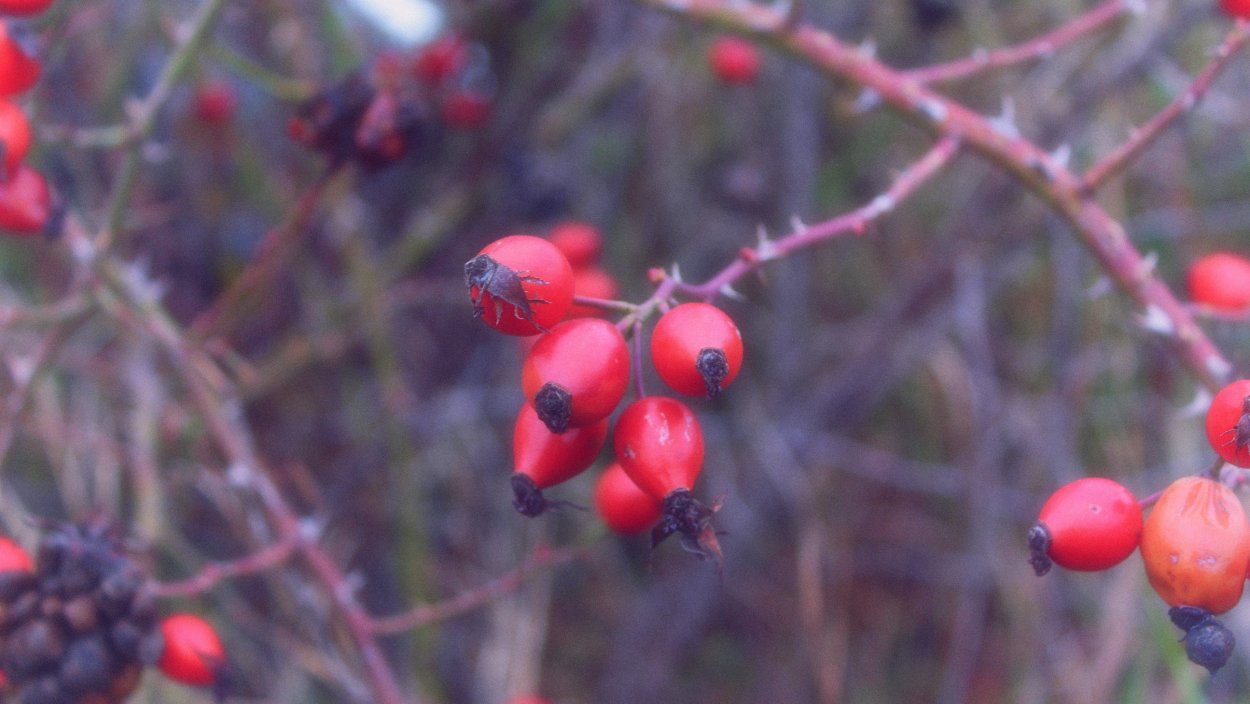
80 628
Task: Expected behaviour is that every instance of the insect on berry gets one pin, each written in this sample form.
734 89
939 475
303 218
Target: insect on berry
541 459
1220 281
1087 525
519 285
193 653
1228 423
696 349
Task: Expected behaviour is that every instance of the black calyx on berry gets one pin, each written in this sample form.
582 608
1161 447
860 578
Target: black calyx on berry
1039 549
528 499
713 366
554 405
684 514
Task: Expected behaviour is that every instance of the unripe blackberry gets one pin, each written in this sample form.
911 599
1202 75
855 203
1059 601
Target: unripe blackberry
77 628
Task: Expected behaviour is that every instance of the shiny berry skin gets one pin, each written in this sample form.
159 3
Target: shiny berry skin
734 60
25 202
193 653
624 507
576 374
696 349
14 136
24 7
519 285
18 71
1089 524
14 558
1236 8
580 242
549 458
592 282
659 444
1196 545
541 459
1228 423
1220 281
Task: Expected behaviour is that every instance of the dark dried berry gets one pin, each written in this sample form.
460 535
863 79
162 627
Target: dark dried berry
80 614
1209 644
13 584
1186 617
87 666
34 646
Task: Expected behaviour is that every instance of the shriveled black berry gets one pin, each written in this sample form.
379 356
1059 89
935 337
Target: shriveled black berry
1186 617
1209 644
80 628
713 366
554 405
88 665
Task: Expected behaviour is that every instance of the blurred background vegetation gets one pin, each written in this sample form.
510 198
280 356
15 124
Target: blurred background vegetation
909 399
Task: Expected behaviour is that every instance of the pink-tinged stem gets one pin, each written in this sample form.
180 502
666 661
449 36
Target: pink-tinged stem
997 141
215 573
1040 47
1126 153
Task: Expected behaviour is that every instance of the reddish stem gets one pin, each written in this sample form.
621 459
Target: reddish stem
214 573
1126 153
1040 47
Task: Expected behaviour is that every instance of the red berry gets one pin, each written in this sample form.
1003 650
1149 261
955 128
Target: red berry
1221 281
465 109
13 558
519 285
529 699
624 507
14 136
18 71
1089 524
25 202
1236 8
24 7
580 242
659 443
576 374
441 59
1228 423
193 652
541 458
734 60
696 349
591 282
1196 545
214 103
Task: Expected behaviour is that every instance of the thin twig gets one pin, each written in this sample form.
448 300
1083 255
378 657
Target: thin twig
215 573
1143 137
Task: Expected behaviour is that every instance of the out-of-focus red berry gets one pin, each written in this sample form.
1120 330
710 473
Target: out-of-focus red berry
193 652
215 102
580 242
1220 280
441 59
1236 8
13 558
592 282
18 70
24 8
734 60
14 136
25 202
465 110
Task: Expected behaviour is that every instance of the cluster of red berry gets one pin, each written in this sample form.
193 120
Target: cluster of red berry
377 116
75 625
575 375
1220 281
25 201
1195 544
